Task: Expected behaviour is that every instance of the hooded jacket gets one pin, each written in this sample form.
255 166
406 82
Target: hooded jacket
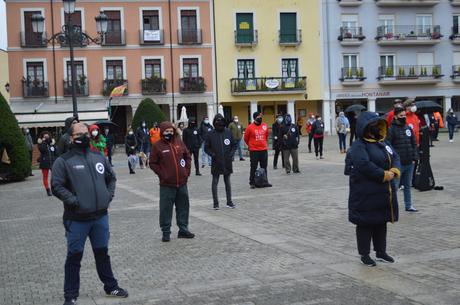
221 146
205 129
97 144
451 119
402 138
64 142
191 137
289 135
143 137
48 153
372 199
130 144
170 160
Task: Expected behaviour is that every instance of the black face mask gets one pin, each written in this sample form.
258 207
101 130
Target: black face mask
374 130
82 141
288 120
219 125
402 120
168 137
258 121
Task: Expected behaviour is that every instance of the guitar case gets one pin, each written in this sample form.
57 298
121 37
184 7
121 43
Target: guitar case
424 179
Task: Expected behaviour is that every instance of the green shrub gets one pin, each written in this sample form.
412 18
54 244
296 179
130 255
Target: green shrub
149 112
12 139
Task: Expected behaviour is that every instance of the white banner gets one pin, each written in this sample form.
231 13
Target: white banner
152 35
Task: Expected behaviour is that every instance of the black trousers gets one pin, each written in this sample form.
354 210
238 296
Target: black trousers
109 154
257 157
352 134
196 153
30 158
376 233
228 188
318 146
310 138
278 152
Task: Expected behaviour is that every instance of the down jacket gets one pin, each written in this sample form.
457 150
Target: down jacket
48 153
402 138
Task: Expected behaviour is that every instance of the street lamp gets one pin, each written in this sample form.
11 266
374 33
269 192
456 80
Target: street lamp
72 35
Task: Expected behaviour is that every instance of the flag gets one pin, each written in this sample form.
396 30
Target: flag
118 91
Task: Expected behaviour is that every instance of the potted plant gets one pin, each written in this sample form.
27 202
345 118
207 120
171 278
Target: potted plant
412 72
361 73
349 73
401 72
389 36
389 73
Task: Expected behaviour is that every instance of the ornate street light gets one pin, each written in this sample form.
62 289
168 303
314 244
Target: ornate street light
72 35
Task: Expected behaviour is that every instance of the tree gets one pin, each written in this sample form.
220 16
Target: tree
12 139
149 112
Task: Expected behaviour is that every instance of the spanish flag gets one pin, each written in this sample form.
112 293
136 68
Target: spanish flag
118 91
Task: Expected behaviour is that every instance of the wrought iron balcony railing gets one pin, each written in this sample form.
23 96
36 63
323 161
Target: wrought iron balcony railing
268 84
110 84
35 88
293 38
406 72
408 32
352 74
114 38
246 39
185 36
81 88
192 85
33 40
153 85
353 33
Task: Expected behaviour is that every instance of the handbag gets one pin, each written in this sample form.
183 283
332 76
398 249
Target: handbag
5 157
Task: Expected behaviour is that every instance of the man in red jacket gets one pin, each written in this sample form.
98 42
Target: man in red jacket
171 161
256 136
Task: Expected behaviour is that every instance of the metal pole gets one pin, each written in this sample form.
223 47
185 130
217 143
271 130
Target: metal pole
171 61
69 36
54 52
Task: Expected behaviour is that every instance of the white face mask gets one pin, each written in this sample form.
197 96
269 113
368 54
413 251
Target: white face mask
235 120
206 121
279 120
94 133
413 108
130 133
319 119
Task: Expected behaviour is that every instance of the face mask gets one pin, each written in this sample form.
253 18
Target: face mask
27 131
288 120
235 120
258 120
219 125
374 130
319 119
206 121
279 120
413 108
402 120
168 136
131 133
312 117
106 131
82 141
94 133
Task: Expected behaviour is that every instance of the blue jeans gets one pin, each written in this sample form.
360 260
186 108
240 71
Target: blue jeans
451 131
342 141
406 181
240 150
204 155
76 234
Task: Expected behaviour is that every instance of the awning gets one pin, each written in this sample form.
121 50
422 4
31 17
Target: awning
31 120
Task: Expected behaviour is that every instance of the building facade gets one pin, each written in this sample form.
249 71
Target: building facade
268 57
157 49
4 75
381 50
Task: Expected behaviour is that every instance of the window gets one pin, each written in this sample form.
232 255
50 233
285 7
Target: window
152 68
75 18
456 58
244 27
35 72
288 27
114 69
387 24
387 65
189 26
79 70
425 59
114 33
456 25
350 60
424 24
350 24
29 37
245 68
190 68
290 68
151 20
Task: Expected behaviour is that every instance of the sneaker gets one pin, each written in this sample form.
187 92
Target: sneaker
296 172
450 141
231 205
199 174
252 186
368 261
70 302
411 209
216 207
185 234
166 237
117 293
401 187
242 159
383 257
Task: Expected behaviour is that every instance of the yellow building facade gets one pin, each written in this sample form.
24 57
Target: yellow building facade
4 82
268 58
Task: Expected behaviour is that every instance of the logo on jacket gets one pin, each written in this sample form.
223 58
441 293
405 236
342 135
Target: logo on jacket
389 150
100 168
264 127
411 126
293 129
227 142
52 148
182 162
195 132
408 133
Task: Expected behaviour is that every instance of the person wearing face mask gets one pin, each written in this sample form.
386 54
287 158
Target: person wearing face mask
256 137
85 182
277 140
342 126
48 154
30 146
372 201
309 126
237 132
64 142
205 128
143 141
318 136
452 121
192 140
97 141
412 119
130 147
402 138
290 137
171 161
221 146
110 142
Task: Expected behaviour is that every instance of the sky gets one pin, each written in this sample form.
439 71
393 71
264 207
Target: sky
3 42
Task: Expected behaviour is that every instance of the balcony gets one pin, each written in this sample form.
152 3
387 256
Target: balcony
189 37
455 2
35 88
33 40
351 36
246 40
455 74
151 37
455 37
153 86
353 76
394 3
192 85
268 85
110 84
401 35
81 88
290 39
350 3
114 38
410 75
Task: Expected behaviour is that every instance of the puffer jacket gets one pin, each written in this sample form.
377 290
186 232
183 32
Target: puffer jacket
289 136
402 138
48 153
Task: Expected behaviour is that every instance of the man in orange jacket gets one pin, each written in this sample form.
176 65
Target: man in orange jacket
256 136
154 133
438 123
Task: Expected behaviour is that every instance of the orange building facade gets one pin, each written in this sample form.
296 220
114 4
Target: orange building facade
158 49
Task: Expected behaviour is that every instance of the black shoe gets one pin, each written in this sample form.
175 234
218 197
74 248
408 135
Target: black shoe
231 205
70 302
275 167
368 261
199 174
309 151
117 293
383 257
267 185
216 206
288 172
185 234
202 166
30 175
166 237
252 186
48 192
242 159
131 172
296 172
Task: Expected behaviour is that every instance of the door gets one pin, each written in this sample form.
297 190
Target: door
245 68
31 38
288 24
387 25
350 65
387 65
114 70
152 68
79 70
114 34
424 25
190 68
35 73
189 27
244 28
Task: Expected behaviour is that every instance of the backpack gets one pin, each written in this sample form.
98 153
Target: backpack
260 177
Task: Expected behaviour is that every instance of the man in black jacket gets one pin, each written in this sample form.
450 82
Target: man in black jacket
402 138
276 127
221 146
64 142
85 182
290 137
192 139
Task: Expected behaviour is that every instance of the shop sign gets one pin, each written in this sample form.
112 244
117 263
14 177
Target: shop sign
367 94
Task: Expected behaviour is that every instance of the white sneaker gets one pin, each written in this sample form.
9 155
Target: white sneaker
451 141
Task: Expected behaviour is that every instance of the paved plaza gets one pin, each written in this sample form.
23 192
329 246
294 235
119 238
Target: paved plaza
290 244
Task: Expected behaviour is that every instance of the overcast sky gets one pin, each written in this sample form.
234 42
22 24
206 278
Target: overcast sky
2 25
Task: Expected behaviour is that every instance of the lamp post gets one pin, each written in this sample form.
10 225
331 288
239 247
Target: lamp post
72 35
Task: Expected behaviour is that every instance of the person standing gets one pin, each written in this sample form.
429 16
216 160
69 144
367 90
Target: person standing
47 157
290 137
180 129
97 142
85 182
277 141
237 132
110 142
154 133
64 142
171 161
130 147
193 141
143 141
318 136
401 137
451 123
205 128
342 125
221 146
309 126
256 137
300 125
30 147
438 123
372 201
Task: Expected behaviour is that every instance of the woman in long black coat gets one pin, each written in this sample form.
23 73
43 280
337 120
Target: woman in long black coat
130 147
48 154
372 201
221 146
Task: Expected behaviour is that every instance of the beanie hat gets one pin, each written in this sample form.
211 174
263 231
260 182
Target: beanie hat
255 114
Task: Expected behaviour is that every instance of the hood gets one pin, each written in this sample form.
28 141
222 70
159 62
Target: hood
218 117
94 127
68 122
341 114
166 125
367 117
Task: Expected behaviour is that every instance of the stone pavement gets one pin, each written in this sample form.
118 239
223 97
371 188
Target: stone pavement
290 244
